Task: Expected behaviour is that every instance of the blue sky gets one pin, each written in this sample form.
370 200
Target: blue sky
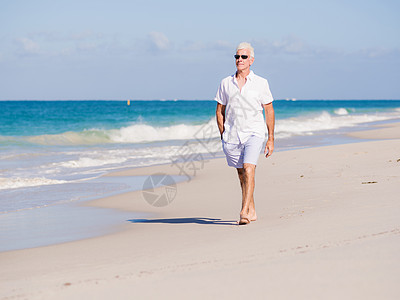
72 50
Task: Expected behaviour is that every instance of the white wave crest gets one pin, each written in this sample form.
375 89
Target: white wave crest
341 111
144 133
13 183
308 126
137 133
85 162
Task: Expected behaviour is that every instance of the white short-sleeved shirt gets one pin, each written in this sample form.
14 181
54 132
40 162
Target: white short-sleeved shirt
244 109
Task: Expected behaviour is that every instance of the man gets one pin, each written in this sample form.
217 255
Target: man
241 99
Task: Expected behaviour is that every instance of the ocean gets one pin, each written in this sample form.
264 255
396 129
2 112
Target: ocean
53 153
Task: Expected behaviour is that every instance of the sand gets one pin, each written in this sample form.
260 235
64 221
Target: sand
328 228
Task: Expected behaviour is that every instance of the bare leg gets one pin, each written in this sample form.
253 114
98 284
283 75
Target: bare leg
247 183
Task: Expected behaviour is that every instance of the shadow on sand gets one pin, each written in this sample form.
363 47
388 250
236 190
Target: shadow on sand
195 220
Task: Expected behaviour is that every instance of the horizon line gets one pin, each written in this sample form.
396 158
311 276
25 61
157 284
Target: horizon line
286 99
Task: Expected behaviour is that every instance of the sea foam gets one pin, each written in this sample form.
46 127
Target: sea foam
341 111
136 133
12 183
310 125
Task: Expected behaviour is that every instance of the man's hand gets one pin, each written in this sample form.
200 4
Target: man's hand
220 115
270 120
269 148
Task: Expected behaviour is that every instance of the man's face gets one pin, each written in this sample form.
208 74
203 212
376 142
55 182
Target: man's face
243 64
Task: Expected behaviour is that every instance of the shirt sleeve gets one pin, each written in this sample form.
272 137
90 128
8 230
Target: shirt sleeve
221 95
266 94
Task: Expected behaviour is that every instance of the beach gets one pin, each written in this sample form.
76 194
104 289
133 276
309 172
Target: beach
328 228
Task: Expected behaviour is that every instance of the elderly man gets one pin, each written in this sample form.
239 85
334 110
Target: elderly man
241 99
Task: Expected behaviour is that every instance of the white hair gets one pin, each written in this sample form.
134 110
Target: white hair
247 46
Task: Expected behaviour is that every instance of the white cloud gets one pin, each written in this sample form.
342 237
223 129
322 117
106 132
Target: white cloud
28 46
294 47
192 46
197 46
290 44
222 45
158 41
53 43
46 36
378 52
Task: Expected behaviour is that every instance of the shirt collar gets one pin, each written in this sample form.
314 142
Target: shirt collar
250 76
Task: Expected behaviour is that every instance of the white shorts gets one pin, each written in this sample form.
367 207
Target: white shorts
247 153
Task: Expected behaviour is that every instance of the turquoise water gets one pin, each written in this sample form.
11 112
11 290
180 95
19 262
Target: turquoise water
34 118
29 118
60 142
53 153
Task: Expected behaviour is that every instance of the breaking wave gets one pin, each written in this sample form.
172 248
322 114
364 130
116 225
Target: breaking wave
145 133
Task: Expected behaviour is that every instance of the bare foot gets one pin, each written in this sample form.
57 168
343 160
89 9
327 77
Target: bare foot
253 216
244 219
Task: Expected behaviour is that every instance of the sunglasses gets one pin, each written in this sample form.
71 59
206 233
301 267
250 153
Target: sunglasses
242 56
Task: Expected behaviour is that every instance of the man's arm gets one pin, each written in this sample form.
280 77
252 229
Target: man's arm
270 120
220 113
